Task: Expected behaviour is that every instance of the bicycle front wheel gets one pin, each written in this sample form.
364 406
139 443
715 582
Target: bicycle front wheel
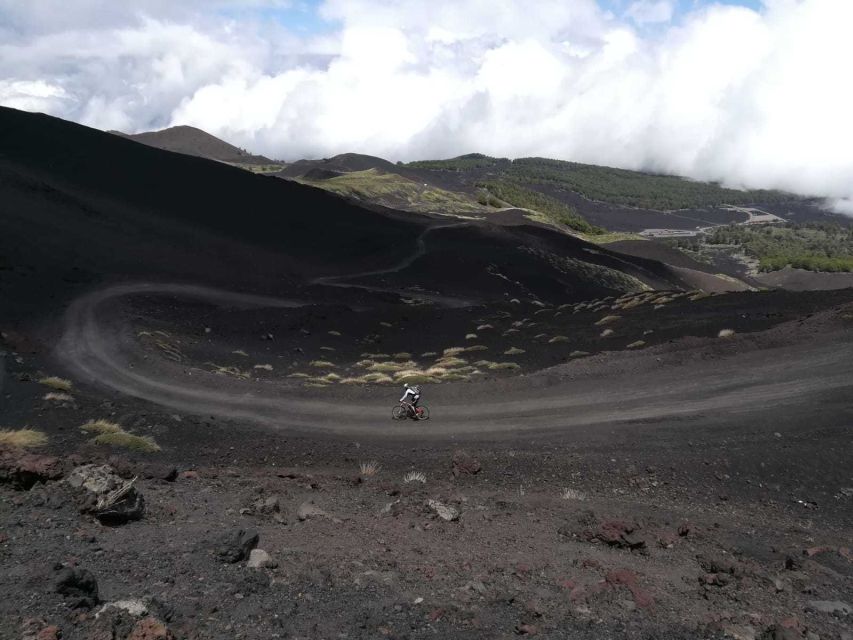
399 413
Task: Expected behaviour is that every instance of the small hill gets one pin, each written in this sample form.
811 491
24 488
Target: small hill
195 142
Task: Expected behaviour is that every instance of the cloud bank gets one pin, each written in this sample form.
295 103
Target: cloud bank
752 99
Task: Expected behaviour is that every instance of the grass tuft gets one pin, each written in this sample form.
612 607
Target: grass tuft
514 351
414 476
606 333
101 426
369 468
58 384
58 397
126 440
637 344
607 320
323 364
726 333
572 494
22 438
557 339
504 366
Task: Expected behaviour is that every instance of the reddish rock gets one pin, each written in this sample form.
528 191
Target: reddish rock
617 533
189 475
464 464
23 470
150 629
628 579
50 633
814 551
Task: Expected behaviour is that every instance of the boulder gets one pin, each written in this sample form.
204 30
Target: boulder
23 470
464 464
308 510
236 545
78 586
113 500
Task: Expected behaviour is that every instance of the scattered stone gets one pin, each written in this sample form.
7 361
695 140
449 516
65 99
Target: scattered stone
464 464
150 629
23 470
135 608
779 632
527 629
738 631
717 565
445 512
189 475
236 545
830 606
166 472
617 533
308 510
628 579
78 586
260 559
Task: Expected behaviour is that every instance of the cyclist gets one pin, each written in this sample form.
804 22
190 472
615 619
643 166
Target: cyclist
411 397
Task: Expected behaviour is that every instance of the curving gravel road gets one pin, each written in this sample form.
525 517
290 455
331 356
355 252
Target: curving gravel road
617 388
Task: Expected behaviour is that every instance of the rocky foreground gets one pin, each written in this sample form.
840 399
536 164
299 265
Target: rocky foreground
492 542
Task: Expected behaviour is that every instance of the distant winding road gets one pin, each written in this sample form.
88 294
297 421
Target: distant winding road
781 379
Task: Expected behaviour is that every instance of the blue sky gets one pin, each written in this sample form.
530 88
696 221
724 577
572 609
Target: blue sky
303 16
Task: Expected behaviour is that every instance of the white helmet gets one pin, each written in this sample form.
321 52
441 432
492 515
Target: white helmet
405 385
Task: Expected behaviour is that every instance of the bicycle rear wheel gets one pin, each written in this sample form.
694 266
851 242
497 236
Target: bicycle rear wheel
399 413
424 415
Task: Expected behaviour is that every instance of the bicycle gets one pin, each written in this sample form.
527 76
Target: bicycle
405 410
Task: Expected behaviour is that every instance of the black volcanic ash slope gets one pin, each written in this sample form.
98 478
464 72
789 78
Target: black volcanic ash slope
79 206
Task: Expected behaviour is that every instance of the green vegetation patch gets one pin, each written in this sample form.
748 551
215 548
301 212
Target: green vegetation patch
126 440
810 246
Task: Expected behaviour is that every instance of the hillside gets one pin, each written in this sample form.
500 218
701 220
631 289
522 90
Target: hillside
195 142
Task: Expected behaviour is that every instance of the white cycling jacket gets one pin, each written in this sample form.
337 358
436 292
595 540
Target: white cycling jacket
409 392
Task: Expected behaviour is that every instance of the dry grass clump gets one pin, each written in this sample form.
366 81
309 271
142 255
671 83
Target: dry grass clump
112 434
504 366
470 336
101 426
127 440
637 344
58 384
368 378
514 351
453 351
387 325
228 371
58 397
699 296
607 320
240 352
403 355
327 348
391 367
334 333
483 327
606 333
578 354
572 494
376 356
323 364
414 476
726 333
298 374
557 339
450 362
22 438
476 347
329 378
265 367
369 468
413 376
429 354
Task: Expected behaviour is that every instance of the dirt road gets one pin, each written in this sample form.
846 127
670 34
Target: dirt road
621 387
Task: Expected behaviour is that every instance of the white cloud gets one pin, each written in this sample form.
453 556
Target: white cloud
725 93
651 11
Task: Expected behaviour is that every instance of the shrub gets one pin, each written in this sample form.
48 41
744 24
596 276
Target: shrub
414 476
